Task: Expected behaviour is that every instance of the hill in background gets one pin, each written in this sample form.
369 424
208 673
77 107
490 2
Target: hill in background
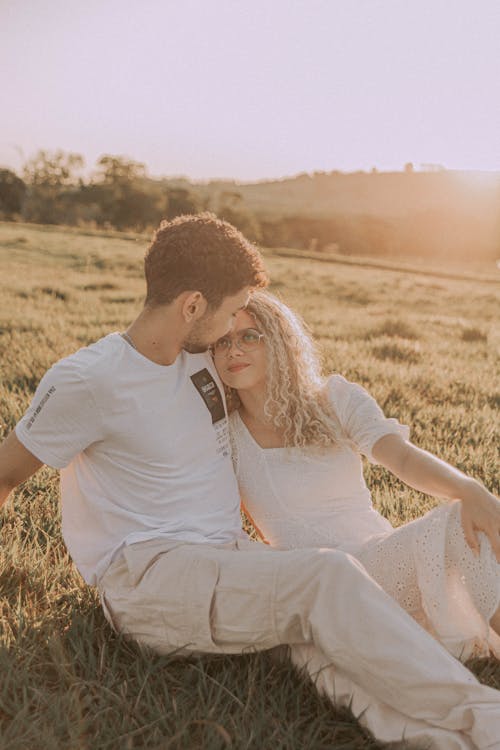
438 214
443 213
383 194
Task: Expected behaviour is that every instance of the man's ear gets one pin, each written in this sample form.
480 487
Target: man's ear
194 306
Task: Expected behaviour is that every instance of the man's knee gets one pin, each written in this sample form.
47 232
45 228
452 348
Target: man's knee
316 588
337 565
324 573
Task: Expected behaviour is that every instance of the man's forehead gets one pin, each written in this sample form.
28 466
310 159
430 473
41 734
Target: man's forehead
240 300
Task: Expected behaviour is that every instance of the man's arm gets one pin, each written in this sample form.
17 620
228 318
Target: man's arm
16 465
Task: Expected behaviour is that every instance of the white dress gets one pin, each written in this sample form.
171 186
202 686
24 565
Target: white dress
317 497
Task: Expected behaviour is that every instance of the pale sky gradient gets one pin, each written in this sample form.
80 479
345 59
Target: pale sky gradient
257 89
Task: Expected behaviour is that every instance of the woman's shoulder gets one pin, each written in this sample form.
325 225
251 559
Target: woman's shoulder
340 390
350 401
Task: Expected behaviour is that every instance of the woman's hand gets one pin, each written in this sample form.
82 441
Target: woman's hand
480 512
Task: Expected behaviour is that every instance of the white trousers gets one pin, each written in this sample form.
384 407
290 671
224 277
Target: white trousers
357 644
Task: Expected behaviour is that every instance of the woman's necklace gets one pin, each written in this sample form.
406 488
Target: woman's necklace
127 338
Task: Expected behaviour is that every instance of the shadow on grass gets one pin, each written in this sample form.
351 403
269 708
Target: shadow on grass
70 682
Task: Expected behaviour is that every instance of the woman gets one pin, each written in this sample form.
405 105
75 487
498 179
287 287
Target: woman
297 440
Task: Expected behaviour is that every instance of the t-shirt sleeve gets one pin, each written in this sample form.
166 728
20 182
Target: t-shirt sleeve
63 418
361 418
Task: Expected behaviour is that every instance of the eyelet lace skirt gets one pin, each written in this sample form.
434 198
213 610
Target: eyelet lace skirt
428 567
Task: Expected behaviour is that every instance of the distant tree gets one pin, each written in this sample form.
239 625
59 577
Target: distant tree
12 193
351 235
182 201
409 167
124 195
54 169
49 176
118 170
232 209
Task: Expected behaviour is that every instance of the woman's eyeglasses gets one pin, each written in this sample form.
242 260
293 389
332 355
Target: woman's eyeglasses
245 341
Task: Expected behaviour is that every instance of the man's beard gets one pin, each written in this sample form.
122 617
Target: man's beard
196 343
195 348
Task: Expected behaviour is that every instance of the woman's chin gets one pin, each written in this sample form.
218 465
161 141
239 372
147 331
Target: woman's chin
235 382
239 381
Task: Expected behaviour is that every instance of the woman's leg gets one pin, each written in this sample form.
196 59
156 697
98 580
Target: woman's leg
427 566
495 622
479 574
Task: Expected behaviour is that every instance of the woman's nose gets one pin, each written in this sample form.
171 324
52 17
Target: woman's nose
234 348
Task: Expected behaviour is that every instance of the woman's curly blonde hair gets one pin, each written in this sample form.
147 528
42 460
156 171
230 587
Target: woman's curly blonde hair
296 402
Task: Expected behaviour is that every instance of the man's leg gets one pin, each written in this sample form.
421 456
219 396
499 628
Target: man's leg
384 722
209 599
353 625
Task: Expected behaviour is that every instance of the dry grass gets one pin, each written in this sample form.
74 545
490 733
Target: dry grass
427 350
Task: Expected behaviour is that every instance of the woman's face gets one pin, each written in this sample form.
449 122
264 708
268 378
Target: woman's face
238 368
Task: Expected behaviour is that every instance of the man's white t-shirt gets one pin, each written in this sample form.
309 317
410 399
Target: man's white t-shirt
143 450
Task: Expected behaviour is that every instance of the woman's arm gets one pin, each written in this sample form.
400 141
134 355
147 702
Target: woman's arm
427 473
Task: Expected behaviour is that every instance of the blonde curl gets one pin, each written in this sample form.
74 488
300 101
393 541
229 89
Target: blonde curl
296 402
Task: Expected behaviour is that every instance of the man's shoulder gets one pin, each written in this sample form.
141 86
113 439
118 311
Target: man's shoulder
110 363
90 362
199 358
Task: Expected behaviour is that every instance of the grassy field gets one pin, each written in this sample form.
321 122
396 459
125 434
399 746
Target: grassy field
426 348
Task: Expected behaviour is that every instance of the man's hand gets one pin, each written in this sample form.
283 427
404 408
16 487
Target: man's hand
480 512
16 465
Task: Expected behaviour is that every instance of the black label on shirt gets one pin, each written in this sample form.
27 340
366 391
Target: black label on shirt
210 393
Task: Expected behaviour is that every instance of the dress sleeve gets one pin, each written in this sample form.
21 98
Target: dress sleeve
361 418
63 418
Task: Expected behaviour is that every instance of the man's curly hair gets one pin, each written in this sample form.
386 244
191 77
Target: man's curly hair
200 253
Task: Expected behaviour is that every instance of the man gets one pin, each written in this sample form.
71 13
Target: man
137 424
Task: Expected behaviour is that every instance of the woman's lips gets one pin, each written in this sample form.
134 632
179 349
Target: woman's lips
237 368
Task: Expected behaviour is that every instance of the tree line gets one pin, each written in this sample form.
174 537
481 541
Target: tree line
119 194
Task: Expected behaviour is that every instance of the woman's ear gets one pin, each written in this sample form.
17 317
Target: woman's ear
193 307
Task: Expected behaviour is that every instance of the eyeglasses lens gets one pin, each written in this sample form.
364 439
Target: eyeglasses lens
244 340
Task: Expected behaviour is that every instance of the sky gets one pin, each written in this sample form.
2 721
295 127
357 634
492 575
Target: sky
252 89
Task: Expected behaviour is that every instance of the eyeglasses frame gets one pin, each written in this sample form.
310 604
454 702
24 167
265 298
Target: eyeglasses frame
234 340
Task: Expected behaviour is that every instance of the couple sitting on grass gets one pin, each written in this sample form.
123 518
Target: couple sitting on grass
138 424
